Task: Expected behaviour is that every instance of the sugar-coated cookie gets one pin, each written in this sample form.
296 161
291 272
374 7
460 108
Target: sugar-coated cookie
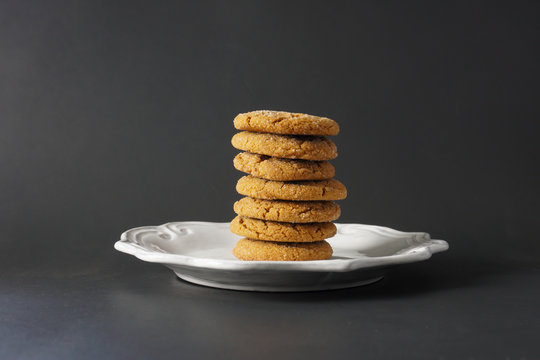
288 211
285 190
279 169
281 122
286 146
279 231
257 250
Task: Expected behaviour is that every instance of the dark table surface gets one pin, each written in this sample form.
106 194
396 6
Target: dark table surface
119 307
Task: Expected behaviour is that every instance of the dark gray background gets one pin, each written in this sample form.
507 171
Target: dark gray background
119 114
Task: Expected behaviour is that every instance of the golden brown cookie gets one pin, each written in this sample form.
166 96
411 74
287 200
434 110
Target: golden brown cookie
281 122
272 168
288 211
257 250
286 146
298 190
280 231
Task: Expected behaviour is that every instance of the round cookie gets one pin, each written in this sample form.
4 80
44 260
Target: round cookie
282 232
278 169
298 191
258 250
286 146
281 122
288 211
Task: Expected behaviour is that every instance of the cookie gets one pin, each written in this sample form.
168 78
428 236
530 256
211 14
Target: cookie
288 211
298 190
257 250
280 231
272 168
286 146
280 122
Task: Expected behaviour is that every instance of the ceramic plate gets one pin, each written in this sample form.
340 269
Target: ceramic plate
200 252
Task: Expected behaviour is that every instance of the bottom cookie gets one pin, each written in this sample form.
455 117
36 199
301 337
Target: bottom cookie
258 250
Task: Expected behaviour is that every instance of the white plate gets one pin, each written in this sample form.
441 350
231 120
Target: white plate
200 252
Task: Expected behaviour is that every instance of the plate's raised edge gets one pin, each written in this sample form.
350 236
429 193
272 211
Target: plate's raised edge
422 251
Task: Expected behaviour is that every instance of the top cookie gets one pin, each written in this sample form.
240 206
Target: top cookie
281 122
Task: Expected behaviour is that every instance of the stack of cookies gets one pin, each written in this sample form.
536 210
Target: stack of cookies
290 191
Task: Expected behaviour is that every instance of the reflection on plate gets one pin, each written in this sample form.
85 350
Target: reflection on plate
200 252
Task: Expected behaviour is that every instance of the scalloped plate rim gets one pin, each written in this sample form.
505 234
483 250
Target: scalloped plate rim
420 252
